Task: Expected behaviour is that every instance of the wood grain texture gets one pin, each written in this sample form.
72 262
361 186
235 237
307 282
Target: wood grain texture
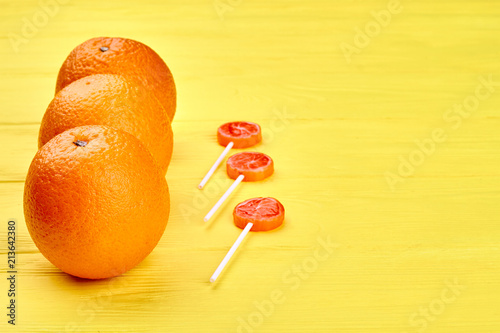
335 131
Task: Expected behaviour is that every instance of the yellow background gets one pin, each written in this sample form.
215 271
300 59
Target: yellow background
336 130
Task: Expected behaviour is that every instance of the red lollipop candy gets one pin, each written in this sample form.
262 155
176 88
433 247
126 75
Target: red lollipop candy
242 134
254 166
257 214
264 213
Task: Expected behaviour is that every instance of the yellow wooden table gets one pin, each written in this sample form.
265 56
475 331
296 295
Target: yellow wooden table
383 121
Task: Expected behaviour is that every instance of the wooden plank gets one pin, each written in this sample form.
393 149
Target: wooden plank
372 159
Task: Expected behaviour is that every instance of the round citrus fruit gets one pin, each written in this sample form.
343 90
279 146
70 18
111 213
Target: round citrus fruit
95 202
105 55
254 166
111 100
265 214
242 134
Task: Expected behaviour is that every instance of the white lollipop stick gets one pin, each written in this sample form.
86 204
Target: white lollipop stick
231 252
216 164
223 198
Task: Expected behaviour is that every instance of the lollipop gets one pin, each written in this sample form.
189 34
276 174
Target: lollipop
257 214
245 166
243 134
238 134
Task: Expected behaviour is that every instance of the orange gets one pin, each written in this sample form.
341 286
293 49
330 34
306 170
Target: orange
111 100
242 134
254 166
105 55
265 214
95 202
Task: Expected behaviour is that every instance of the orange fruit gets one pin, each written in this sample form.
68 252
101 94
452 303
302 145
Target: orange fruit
254 166
105 55
111 100
265 214
242 134
95 202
